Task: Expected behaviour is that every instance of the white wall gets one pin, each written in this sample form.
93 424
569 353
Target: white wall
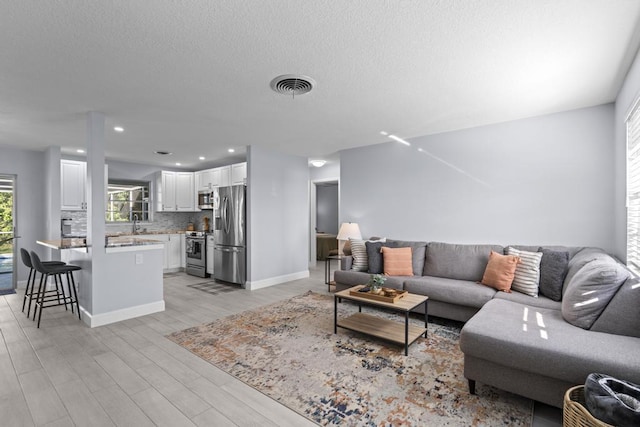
278 217
627 96
543 180
29 168
327 208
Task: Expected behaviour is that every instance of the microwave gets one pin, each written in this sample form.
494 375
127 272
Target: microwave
208 199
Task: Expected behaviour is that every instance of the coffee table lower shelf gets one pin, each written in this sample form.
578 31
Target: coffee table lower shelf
386 329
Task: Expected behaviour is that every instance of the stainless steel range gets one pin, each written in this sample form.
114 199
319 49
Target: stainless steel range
196 248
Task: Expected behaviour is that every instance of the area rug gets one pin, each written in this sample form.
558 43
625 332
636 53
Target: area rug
289 352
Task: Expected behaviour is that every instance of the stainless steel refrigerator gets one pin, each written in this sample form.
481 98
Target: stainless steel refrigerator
229 251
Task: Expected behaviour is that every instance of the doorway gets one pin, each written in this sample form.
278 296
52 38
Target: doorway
7 237
324 218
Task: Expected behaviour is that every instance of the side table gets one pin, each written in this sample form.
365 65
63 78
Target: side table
327 268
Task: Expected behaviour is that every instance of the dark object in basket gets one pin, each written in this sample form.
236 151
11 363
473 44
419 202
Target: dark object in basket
613 401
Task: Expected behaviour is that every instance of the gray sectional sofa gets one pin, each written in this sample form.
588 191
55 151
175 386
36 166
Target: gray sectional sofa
532 346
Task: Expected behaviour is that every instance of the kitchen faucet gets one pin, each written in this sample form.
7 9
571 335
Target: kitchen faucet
136 226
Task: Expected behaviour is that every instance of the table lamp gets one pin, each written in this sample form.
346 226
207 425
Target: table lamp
348 230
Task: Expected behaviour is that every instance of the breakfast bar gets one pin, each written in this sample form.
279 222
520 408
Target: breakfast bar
119 282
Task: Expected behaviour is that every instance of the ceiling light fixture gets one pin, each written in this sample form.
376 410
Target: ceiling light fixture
118 128
163 153
80 150
201 158
231 150
400 140
178 164
384 133
318 163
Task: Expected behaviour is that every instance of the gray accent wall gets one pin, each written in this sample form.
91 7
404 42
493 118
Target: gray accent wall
628 95
277 216
542 180
29 167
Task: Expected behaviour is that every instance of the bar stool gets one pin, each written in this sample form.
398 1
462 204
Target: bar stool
31 280
44 301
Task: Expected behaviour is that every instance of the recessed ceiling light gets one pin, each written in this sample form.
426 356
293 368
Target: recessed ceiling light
80 150
318 163
231 150
163 153
118 128
178 164
384 133
201 157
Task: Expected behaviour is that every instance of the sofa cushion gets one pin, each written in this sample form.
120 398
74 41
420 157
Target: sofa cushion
397 261
527 275
359 253
553 269
376 262
520 298
539 341
579 260
462 262
591 289
453 291
500 271
419 250
622 314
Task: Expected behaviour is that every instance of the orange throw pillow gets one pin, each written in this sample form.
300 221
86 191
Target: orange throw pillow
397 261
500 271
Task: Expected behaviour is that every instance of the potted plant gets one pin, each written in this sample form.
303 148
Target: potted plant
376 282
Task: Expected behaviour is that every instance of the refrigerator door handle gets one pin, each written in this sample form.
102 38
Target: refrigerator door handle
226 216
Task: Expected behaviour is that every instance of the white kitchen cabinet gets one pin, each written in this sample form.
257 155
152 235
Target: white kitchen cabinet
210 245
239 173
73 185
175 192
225 176
174 252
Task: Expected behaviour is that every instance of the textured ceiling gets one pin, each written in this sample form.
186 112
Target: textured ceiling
192 77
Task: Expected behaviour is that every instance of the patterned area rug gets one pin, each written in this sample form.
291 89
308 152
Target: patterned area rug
289 352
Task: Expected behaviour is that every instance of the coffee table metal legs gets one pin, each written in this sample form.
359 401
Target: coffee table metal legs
406 333
426 323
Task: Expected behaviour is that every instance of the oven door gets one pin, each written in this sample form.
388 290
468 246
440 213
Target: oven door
196 251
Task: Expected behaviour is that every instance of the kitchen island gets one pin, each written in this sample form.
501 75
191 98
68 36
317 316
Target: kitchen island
119 280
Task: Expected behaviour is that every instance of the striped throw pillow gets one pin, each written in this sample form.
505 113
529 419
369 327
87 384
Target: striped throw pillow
359 254
527 276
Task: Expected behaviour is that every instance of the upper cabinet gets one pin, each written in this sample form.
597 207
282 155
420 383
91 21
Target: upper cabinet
239 173
174 191
221 177
73 185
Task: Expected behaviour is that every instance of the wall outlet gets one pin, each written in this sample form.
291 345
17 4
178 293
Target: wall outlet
138 258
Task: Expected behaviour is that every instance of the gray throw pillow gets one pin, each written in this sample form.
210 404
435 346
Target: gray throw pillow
376 261
590 290
553 270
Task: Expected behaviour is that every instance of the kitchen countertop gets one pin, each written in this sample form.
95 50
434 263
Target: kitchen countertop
112 242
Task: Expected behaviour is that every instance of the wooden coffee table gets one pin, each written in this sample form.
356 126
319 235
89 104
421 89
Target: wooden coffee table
376 326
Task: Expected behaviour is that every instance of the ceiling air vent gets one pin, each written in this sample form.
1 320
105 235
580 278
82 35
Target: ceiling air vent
292 84
163 153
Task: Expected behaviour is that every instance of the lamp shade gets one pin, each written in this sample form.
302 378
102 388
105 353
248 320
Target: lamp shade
349 230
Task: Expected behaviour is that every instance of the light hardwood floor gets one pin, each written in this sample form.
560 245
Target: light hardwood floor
129 374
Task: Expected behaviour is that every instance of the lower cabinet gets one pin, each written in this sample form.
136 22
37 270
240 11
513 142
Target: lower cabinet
174 252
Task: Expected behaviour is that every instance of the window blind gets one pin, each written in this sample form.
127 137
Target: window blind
633 190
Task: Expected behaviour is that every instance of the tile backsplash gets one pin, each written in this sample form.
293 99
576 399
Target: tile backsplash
161 221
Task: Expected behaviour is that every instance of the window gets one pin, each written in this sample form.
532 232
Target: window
126 199
633 189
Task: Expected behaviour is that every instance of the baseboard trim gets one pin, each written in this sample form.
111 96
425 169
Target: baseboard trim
120 315
272 281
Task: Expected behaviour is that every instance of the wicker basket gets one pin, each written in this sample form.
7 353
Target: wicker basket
575 414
